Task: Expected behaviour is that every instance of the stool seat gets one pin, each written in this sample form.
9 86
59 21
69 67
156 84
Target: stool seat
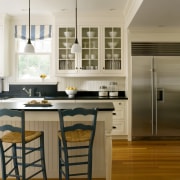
76 135
16 137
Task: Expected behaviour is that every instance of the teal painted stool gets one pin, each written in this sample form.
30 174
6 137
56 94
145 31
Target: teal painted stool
77 137
14 142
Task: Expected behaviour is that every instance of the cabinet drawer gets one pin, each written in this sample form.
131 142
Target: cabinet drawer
118 128
118 114
118 105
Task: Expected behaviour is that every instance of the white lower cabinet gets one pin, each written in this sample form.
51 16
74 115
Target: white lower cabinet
119 118
119 124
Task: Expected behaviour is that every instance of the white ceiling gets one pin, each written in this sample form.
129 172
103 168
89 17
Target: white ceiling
13 7
158 13
154 13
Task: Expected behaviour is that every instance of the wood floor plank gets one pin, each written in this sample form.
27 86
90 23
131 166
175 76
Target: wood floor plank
146 160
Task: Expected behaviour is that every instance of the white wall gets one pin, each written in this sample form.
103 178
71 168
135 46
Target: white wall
90 83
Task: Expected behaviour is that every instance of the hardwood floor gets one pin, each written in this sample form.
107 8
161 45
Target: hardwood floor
146 160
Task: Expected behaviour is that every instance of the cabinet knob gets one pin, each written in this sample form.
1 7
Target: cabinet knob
113 113
114 127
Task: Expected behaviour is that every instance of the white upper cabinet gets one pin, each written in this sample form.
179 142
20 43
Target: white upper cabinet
4 42
112 50
90 58
66 60
101 51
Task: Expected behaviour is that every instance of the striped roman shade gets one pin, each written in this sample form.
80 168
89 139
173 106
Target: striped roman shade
37 31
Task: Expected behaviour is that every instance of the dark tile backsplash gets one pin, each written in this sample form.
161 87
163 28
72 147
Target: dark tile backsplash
45 90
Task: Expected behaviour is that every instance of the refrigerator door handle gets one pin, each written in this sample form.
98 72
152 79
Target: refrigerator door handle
155 104
154 98
152 94
160 94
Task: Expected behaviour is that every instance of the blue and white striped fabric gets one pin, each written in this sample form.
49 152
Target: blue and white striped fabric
37 32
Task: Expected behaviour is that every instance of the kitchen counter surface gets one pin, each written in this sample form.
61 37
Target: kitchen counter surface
55 106
61 95
84 98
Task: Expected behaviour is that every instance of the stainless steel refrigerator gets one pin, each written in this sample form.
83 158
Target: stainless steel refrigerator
155 97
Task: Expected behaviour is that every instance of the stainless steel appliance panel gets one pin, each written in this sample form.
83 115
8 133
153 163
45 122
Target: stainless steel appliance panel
156 96
142 96
168 104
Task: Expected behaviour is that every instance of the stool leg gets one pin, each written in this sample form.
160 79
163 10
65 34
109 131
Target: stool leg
14 153
66 162
60 156
43 156
3 166
90 164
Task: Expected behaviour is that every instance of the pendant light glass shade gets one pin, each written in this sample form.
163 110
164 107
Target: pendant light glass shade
29 47
76 48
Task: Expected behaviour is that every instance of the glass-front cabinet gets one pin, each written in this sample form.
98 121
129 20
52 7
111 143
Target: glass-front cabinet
90 48
101 51
66 59
112 48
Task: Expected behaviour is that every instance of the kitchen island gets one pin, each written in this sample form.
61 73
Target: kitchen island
46 118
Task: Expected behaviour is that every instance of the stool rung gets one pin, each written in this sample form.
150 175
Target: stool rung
78 163
78 174
34 174
77 147
74 156
10 173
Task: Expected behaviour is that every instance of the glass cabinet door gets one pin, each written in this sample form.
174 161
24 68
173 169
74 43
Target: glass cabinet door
90 49
66 40
112 43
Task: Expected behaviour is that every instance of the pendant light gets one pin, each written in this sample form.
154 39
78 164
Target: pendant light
76 48
29 47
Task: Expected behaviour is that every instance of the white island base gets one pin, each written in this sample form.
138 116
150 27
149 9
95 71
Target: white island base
48 121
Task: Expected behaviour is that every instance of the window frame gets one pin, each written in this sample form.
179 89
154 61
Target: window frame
17 53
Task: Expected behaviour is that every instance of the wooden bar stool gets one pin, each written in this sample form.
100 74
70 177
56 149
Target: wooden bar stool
76 136
14 149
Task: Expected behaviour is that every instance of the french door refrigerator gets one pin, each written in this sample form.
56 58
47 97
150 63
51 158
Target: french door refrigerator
155 97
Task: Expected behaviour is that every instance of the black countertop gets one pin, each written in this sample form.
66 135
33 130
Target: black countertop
84 98
85 95
61 95
54 106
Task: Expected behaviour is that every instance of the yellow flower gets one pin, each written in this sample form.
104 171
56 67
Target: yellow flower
43 76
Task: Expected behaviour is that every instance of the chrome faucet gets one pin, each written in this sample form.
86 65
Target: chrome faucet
29 91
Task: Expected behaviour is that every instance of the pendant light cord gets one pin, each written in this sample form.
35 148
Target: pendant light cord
76 48
29 47
76 40
29 22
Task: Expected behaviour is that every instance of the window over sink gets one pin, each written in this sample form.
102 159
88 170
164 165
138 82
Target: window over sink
32 66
